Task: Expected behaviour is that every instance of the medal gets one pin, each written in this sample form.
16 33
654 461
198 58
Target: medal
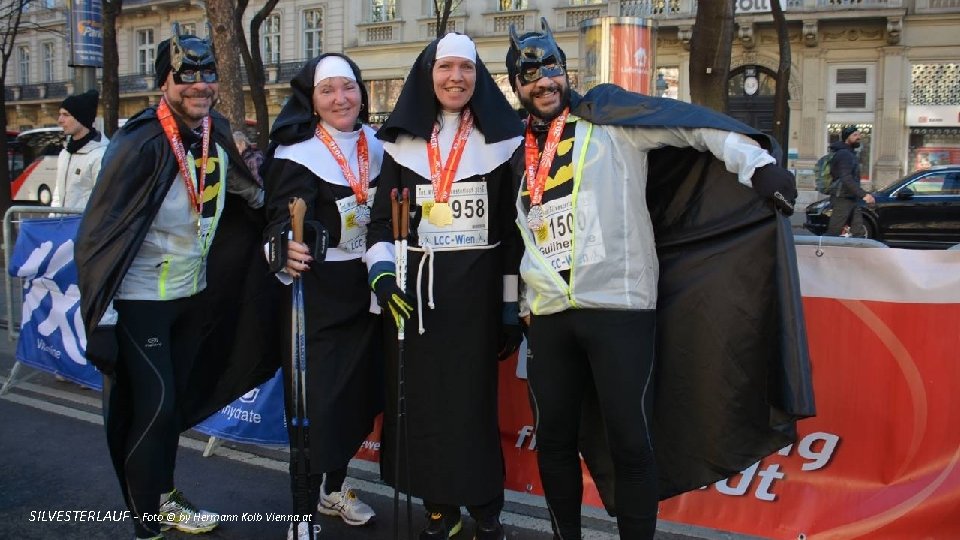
360 186
535 219
440 214
537 172
362 215
193 184
441 175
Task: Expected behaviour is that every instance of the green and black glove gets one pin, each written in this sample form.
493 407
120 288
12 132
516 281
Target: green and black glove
383 281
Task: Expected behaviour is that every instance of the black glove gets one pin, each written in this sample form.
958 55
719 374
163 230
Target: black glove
511 335
102 349
777 184
275 238
383 281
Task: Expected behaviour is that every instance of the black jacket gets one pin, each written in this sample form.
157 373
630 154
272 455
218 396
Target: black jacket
845 171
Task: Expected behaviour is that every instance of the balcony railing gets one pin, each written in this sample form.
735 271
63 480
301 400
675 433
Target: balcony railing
937 6
26 92
688 8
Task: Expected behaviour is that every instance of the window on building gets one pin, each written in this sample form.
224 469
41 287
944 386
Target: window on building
312 32
383 10
511 5
23 55
667 82
145 51
852 88
188 28
48 59
270 39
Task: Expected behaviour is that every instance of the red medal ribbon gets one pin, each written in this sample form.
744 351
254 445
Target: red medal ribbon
360 187
170 128
537 173
441 175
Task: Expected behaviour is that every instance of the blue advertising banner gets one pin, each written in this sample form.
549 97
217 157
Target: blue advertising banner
86 33
256 417
52 338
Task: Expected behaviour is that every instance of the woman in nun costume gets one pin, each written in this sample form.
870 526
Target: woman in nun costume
325 154
449 142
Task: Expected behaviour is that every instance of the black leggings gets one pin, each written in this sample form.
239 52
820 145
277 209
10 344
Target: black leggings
613 350
158 344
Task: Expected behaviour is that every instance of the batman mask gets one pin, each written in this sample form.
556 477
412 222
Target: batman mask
534 55
189 58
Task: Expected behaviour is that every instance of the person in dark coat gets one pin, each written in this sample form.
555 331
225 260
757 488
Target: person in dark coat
325 153
642 236
846 192
448 142
166 237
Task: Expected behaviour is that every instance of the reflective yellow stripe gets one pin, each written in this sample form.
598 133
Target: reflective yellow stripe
577 176
162 279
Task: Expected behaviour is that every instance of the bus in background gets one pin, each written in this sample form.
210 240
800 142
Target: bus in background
35 154
14 154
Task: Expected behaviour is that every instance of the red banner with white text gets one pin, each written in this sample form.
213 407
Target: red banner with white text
882 457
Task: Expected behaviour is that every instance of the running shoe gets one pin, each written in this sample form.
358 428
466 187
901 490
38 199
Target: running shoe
441 527
178 513
344 503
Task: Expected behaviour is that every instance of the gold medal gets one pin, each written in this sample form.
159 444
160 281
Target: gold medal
440 215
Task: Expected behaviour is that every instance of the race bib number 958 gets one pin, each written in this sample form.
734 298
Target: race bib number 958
470 207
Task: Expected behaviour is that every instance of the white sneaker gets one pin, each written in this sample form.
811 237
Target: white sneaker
344 503
179 513
303 533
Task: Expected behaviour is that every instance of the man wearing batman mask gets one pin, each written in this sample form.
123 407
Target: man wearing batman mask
653 228
171 237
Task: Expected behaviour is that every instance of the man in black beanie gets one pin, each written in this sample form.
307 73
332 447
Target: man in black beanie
79 162
846 190
171 239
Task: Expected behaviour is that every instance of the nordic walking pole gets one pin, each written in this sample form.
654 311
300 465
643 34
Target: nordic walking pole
400 214
300 422
402 278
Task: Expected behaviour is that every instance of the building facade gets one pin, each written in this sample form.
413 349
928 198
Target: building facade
890 66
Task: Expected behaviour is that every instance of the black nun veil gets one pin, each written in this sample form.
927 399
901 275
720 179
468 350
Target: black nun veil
297 120
417 107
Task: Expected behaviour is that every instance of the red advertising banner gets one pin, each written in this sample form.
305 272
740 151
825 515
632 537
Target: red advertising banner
631 57
617 50
882 457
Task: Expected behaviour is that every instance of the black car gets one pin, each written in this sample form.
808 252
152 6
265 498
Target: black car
921 210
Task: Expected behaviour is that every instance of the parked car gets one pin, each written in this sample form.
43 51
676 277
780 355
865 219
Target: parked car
921 210
40 148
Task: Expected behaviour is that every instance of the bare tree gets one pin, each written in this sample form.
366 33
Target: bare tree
11 16
253 62
710 48
441 10
781 108
110 93
220 13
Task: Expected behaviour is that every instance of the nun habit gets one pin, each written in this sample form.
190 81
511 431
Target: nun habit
456 275
343 337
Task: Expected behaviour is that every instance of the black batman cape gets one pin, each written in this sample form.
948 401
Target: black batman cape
241 343
733 372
